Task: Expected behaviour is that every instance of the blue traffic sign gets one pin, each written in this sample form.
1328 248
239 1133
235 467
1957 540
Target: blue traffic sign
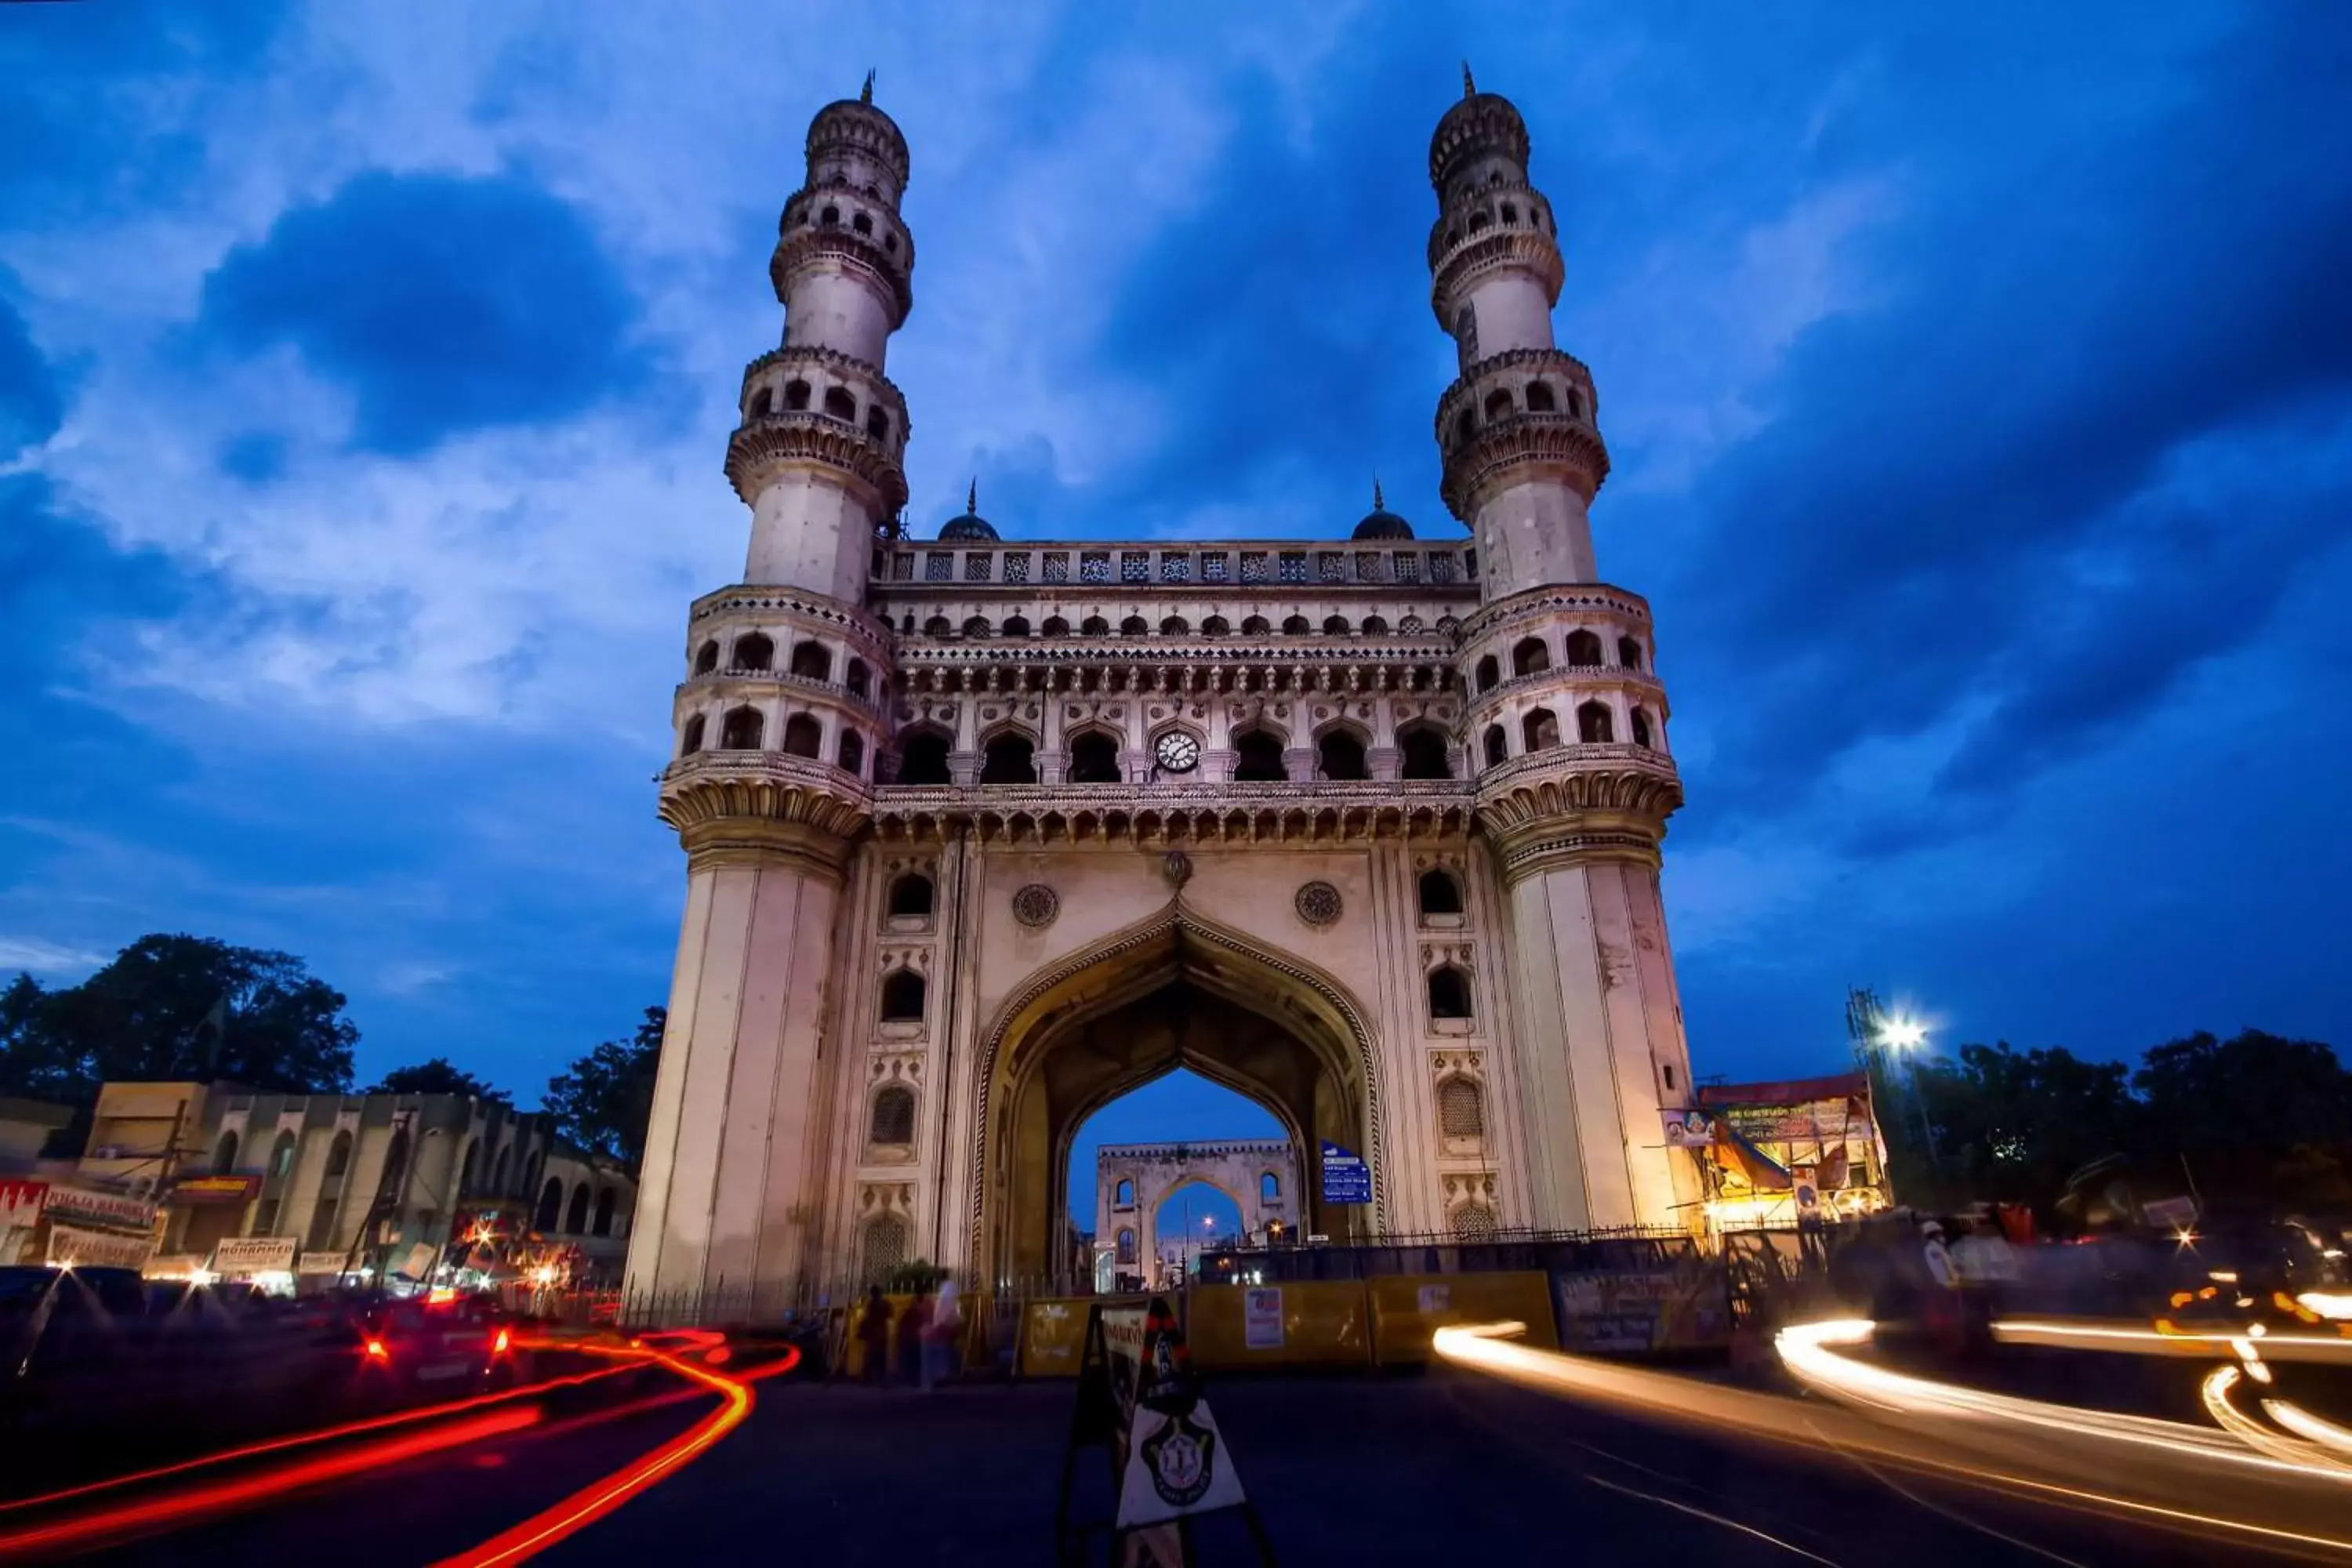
1346 1178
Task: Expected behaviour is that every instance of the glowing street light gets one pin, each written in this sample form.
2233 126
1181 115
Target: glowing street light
1903 1035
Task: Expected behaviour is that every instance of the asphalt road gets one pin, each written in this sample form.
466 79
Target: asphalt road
1449 1467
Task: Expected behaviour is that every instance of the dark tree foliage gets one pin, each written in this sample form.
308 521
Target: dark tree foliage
436 1077
177 1007
605 1102
2255 1120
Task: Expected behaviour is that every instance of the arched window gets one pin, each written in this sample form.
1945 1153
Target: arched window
754 652
1594 724
1094 626
862 223
803 736
911 895
1216 627
1297 625
1490 671
339 1156
763 404
550 1206
1465 425
1440 893
1335 625
466 1168
893 1121
830 217
1449 993
923 759
1529 656
1474 1222
1642 733
706 657
225 1154
1539 730
1126 1246
1010 759
976 627
881 1248
1424 754
840 405
690 742
1175 626
796 396
1583 649
1134 626
1374 626
1269 1188
742 730
1093 759
1017 626
499 1171
395 1160
902 996
1629 653
1340 754
813 660
1499 749
1540 399
1461 1109
861 679
575 1217
937 626
850 755
1123 1196
1255 626
1257 758
1498 404
1575 404
1055 626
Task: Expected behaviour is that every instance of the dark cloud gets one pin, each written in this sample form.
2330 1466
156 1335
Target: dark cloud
443 303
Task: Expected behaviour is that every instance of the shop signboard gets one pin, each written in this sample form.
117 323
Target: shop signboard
20 1203
1678 1302
215 1189
71 1244
244 1256
86 1205
1689 1129
318 1262
1346 1178
1262 1317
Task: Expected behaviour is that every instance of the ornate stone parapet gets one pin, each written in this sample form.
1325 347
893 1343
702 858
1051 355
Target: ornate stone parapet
745 807
765 446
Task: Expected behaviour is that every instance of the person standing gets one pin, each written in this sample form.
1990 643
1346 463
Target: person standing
874 1334
940 1335
911 1324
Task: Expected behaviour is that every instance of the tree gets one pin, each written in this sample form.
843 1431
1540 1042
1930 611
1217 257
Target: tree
2012 1125
437 1077
177 1006
605 1102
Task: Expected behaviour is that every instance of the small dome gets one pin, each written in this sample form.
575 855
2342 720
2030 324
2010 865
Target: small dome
971 525
1380 522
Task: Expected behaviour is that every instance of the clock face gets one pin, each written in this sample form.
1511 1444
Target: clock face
1178 751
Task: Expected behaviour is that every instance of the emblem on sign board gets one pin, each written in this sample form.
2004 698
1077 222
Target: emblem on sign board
1183 1460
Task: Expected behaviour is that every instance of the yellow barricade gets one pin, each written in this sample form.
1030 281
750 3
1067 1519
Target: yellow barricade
1407 1308
1320 1323
1053 1336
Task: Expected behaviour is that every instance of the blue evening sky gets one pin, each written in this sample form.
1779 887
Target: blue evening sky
1978 380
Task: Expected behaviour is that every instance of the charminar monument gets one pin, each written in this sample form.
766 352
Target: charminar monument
983 832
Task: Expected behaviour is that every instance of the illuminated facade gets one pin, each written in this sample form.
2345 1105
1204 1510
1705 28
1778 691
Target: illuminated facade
982 832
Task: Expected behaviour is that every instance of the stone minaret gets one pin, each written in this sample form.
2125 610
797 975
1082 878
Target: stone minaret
1567 722
780 720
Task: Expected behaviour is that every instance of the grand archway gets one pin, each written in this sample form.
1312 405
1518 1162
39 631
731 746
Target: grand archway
1179 991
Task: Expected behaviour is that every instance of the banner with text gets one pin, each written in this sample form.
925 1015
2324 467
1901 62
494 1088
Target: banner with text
247 1255
72 1246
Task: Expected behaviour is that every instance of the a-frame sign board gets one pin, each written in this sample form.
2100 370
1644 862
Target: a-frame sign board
1140 1402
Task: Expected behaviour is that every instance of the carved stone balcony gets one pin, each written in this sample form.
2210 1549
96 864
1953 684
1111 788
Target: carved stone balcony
767 444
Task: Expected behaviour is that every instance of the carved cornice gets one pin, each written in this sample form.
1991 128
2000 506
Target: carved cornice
740 807
1160 813
859 127
1557 441
758 450
1531 606
1571 681
1576 805
1521 247
834 359
1451 214
761 604
813 243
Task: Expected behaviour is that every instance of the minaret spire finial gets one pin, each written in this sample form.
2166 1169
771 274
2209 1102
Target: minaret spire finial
1469 87
866 94
1378 504
971 497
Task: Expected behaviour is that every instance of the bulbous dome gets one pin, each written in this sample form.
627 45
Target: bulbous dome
971 525
1478 122
1380 522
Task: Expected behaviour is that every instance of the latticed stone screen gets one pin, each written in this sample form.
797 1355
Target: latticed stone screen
1461 1109
894 1117
884 1249
1474 1222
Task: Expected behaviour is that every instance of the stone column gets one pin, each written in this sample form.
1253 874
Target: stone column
733 1153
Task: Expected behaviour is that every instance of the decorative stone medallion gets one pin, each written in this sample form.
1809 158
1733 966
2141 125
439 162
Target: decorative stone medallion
1037 905
1318 903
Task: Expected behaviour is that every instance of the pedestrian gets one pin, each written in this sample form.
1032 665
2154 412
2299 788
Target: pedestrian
911 1324
939 1335
874 1334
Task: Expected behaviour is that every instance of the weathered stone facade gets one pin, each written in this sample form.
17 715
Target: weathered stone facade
983 833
